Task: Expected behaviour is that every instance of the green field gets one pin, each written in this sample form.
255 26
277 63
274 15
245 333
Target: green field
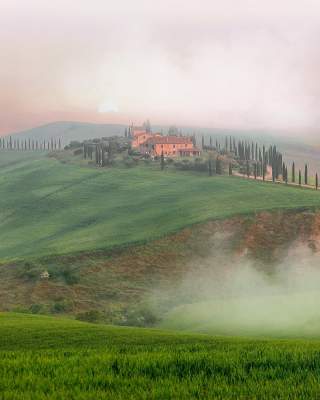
47 358
48 207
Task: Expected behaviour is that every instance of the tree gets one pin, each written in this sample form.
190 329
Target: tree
317 181
173 130
285 172
202 142
162 161
293 176
248 169
103 160
218 166
306 174
300 177
210 166
273 172
147 126
230 169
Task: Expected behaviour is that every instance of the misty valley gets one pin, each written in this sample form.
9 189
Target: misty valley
159 200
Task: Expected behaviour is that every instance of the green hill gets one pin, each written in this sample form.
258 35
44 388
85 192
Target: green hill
49 207
47 358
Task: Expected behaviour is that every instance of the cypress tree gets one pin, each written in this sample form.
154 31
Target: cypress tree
230 169
286 175
218 166
293 176
97 156
317 181
162 161
248 169
210 166
255 170
300 177
306 174
103 161
202 142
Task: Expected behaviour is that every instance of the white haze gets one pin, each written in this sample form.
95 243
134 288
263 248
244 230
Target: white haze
234 295
231 64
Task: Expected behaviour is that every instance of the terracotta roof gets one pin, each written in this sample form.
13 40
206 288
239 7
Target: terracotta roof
140 133
169 140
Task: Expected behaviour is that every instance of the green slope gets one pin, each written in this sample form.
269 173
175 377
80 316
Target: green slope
46 358
48 207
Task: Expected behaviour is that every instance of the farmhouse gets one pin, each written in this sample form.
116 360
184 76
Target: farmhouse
155 144
170 146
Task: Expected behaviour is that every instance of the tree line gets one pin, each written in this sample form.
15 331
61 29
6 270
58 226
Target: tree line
254 161
30 144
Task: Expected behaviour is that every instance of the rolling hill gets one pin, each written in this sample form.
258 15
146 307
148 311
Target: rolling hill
48 207
294 150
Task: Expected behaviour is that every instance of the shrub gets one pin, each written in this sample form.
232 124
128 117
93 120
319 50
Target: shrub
139 316
60 307
77 152
37 308
92 316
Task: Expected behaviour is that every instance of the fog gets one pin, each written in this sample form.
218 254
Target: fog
234 295
233 64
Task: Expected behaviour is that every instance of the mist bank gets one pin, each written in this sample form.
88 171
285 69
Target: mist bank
233 291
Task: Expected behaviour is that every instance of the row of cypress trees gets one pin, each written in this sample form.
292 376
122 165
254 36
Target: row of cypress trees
29 144
102 153
257 159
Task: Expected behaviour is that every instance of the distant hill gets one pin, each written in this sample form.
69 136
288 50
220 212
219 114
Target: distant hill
293 149
68 130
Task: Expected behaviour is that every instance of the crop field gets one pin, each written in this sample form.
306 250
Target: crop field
47 358
48 207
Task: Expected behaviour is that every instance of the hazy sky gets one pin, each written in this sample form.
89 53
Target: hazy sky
230 63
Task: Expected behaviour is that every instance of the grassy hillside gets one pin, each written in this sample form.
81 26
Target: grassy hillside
46 358
49 207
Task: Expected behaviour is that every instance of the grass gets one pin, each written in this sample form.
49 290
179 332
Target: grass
48 207
47 358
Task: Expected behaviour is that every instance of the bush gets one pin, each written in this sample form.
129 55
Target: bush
92 316
60 307
139 316
73 145
77 152
30 272
129 163
37 309
71 277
